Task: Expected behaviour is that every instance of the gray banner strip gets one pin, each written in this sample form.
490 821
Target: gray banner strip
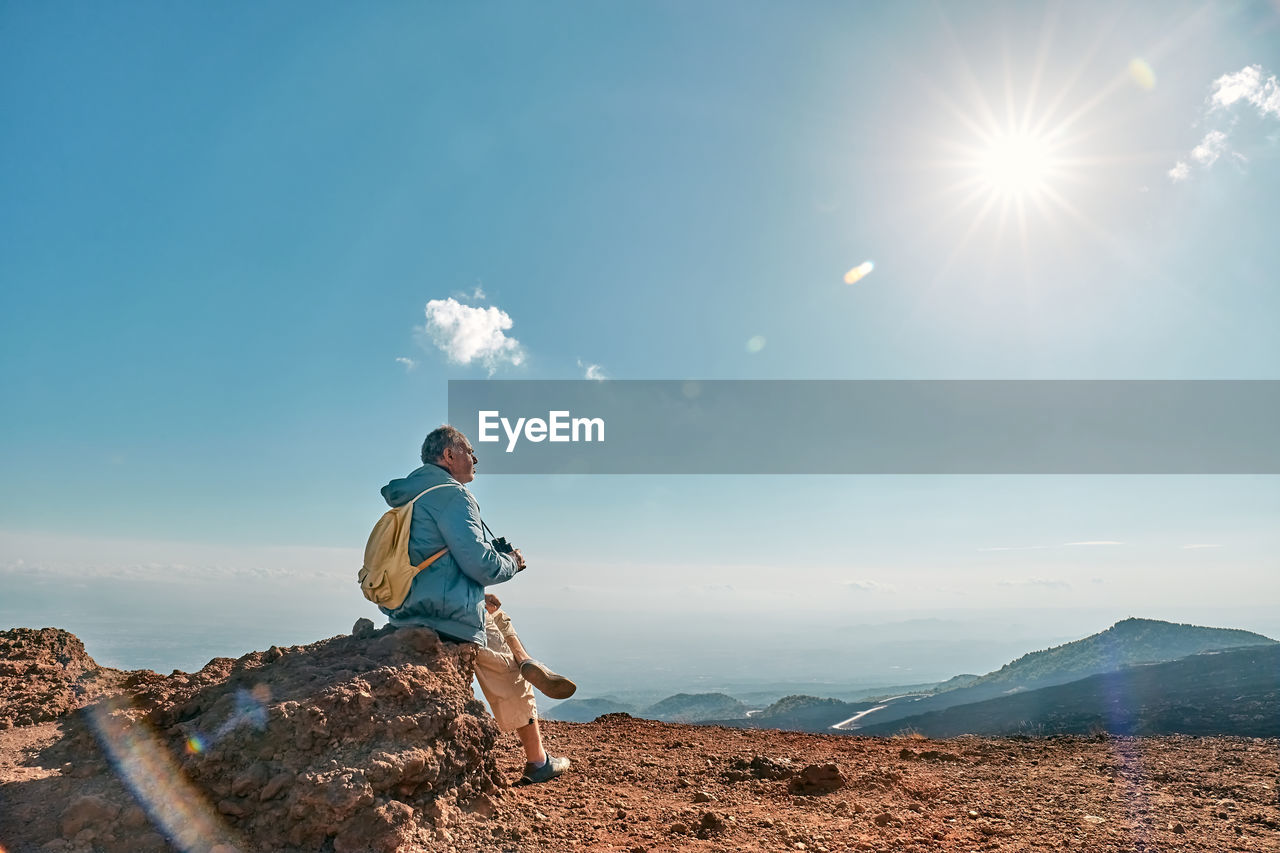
870 427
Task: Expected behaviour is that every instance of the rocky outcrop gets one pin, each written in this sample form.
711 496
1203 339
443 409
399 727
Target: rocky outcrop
362 742
45 673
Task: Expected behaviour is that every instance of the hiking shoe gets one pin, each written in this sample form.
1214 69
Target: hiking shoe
553 768
552 684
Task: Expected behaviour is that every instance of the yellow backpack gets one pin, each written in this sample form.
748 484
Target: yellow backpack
387 573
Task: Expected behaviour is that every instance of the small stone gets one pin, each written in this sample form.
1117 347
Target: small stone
678 828
275 786
539 816
973 813
484 806
1094 819
817 779
703 797
249 779
711 824
799 845
883 819
363 628
231 808
134 818
86 811
1178 828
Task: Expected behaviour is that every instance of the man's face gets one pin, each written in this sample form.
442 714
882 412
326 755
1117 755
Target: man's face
460 462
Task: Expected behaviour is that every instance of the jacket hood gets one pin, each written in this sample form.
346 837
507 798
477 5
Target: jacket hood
400 491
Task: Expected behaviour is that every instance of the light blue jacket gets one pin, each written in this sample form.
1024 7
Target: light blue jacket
448 595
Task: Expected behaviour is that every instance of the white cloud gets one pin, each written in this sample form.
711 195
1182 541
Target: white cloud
63 558
466 334
1251 86
1247 85
1197 546
592 371
478 294
871 586
1046 547
1210 148
409 364
1044 583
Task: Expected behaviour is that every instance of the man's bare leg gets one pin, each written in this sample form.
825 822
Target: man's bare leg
540 766
552 684
531 740
517 649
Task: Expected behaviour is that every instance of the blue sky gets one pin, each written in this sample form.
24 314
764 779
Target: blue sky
221 230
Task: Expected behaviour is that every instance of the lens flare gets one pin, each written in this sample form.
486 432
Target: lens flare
859 272
195 745
143 763
755 344
1142 74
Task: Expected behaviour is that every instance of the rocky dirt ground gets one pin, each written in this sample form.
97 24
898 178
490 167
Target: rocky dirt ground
641 785
372 742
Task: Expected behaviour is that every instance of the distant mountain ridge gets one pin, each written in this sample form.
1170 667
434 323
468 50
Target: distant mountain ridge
1232 692
586 710
680 708
1127 643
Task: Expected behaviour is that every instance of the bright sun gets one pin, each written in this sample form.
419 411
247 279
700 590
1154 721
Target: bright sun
1010 153
1015 166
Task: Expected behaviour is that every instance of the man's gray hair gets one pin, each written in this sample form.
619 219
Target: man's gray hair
438 440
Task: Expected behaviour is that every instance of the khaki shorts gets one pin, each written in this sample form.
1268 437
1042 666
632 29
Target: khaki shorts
509 695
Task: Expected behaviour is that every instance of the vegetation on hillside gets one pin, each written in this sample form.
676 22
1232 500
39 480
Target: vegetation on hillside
1129 642
695 707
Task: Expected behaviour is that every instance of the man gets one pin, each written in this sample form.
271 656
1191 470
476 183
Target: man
449 595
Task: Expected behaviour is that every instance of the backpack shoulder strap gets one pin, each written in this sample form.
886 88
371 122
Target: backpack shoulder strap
438 554
432 489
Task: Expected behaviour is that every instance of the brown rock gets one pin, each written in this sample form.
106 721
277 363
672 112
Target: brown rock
85 812
275 786
254 777
45 674
883 819
385 829
231 808
817 779
134 818
710 824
